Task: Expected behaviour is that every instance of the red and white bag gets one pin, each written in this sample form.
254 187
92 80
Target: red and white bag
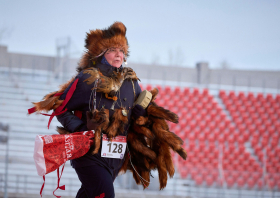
51 151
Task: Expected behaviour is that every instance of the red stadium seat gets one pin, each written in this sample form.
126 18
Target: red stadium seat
192 145
167 90
256 176
269 97
222 93
211 146
149 87
240 168
241 149
231 140
170 104
177 90
226 134
176 100
251 96
241 140
277 99
191 137
198 180
241 95
260 183
254 142
231 94
222 125
215 174
240 182
251 183
186 91
201 138
182 96
196 91
205 92
230 181
211 138
271 183
193 173
221 139
192 125
184 173
209 181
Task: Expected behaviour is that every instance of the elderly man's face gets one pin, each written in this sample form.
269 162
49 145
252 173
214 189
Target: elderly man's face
114 56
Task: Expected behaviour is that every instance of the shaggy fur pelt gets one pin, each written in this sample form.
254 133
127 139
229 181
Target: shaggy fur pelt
102 118
117 123
109 85
50 101
150 142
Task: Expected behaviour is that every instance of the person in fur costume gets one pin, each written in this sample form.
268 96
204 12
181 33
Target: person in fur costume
102 96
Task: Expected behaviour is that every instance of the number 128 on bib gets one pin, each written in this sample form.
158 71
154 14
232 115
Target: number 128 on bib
115 148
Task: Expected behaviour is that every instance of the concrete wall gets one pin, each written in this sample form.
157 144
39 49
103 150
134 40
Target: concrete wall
268 79
165 73
201 74
30 61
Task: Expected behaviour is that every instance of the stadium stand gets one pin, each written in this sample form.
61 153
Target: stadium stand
18 90
256 118
232 140
235 136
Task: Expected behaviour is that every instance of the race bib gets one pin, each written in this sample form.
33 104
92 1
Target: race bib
115 148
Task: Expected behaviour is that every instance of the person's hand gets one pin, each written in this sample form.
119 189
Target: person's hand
138 111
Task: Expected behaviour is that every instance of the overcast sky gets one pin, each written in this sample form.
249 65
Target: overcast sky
243 33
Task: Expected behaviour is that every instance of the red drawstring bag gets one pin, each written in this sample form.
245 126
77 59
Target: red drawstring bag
51 151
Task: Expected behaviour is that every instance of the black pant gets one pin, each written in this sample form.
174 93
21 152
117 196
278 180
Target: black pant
97 182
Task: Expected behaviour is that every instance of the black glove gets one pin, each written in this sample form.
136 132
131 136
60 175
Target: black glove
138 111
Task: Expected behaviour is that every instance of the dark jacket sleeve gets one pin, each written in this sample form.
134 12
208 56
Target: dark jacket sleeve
71 122
137 89
138 110
68 120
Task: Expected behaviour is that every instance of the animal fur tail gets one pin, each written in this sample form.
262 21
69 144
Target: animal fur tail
102 118
160 112
50 101
150 142
117 123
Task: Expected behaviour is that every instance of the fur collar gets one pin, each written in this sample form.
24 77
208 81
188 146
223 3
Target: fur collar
107 70
111 78
110 81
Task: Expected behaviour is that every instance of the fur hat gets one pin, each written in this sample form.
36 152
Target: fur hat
98 41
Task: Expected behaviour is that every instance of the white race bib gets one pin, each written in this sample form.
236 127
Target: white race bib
115 148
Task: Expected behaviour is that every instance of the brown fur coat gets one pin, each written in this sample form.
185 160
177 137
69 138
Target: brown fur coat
150 143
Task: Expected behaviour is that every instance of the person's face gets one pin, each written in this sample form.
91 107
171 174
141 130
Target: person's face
114 56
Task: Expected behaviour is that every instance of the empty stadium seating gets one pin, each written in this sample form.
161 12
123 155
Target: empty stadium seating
231 130
17 93
257 116
231 137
